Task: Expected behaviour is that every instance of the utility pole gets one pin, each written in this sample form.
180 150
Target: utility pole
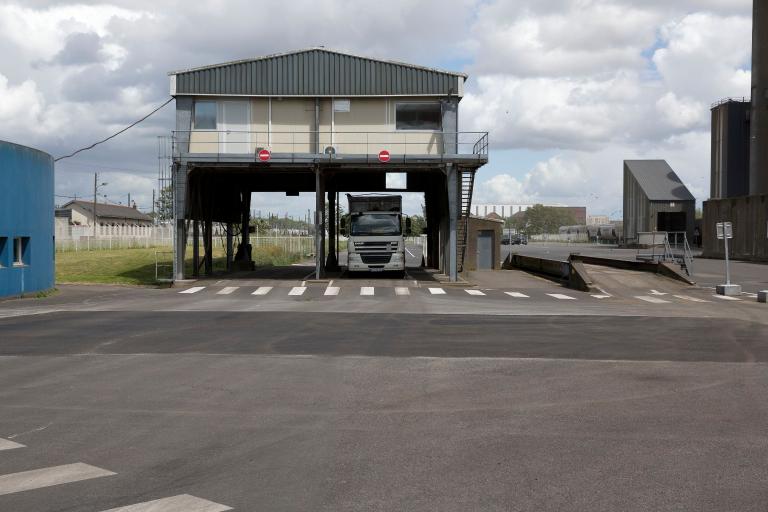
95 190
153 206
129 199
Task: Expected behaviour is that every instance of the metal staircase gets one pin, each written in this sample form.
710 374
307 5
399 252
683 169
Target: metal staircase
467 186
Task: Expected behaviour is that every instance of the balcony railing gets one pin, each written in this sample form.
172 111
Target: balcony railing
327 144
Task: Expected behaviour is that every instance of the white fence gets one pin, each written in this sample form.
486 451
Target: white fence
81 238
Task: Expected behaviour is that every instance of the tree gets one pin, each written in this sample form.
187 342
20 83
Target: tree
540 219
418 223
164 205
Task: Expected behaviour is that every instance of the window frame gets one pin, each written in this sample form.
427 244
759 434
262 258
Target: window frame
215 116
439 104
3 243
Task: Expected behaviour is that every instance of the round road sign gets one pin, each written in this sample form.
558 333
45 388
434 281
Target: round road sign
384 156
264 155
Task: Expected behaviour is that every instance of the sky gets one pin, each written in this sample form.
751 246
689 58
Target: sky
567 89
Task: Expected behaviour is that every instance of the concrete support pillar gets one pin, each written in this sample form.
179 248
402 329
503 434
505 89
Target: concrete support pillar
179 175
208 244
452 175
319 224
180 249
195 248
243 256
230 255
332 262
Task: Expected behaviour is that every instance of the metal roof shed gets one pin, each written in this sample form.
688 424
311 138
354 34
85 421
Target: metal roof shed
655 199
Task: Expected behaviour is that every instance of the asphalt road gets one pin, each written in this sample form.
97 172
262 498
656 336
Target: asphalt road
347 412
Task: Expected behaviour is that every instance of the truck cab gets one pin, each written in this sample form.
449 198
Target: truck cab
375 231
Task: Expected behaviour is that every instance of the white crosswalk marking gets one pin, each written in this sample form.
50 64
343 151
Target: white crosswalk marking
652 300
402 290
517 295
437 291
181 503
46 477
725 297
5 444
474 292
194 289
262 290
227 290
297 290
366 290
691 299
560 296
602 296
332 290
656 292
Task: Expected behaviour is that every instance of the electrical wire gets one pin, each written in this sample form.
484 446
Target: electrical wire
114 134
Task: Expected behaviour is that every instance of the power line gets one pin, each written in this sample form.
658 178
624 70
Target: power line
114 134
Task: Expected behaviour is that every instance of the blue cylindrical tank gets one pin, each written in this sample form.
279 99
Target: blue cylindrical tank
27 257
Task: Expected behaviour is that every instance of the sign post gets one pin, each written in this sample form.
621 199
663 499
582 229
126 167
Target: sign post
725 233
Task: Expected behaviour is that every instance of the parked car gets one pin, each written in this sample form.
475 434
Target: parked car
505 239
519 240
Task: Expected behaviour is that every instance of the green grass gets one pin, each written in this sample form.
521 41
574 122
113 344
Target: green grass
137 266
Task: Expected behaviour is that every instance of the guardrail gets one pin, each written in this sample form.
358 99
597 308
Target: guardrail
397 143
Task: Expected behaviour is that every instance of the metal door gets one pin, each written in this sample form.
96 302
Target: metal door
485 250
234 127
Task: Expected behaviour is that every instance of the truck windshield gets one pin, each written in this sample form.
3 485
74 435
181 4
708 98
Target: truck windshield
375 225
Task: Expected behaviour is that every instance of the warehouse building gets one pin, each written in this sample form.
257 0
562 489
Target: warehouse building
80 213
655 199
26 220
730 149
319 121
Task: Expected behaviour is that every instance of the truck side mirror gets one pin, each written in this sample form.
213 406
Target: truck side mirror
407 226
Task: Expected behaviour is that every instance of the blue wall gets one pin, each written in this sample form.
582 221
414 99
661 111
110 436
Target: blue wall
26 210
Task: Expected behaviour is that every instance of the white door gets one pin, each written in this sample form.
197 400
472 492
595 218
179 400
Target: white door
234 125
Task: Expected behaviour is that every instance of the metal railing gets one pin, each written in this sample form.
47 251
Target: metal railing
329 143
666 246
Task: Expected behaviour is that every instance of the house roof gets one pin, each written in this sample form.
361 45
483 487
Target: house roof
114 211
316 71
658 180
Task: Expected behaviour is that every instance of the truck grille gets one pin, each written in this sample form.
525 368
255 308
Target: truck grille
374 258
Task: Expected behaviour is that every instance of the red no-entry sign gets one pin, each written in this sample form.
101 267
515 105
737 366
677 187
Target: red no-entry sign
264 155
384 156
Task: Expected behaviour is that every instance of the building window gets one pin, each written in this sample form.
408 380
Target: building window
205 115
418 116
3 258
20 251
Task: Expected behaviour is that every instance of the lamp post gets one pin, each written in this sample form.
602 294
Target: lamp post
96 186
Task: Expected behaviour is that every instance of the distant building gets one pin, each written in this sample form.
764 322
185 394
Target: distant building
505 211
655 199
494 216
596 220
80 213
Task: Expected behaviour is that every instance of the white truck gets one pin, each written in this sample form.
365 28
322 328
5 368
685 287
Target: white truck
374 228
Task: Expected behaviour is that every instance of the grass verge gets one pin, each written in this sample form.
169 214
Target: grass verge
137 266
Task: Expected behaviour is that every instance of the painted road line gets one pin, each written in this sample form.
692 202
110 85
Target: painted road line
476 293
227 290
602 296
367 290
332 290
262 290
725 297
47 477
688 298
194 289
180 503
437 291
656 292
5 444
560 296
297 290
409 252
402 290
517 295
652 300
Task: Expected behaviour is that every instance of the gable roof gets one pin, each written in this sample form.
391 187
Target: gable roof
114 211
658 180
316 72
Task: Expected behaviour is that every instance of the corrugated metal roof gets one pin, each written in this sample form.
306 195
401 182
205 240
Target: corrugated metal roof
109 210
658 180
317 72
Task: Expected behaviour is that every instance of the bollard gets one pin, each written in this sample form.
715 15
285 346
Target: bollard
762 296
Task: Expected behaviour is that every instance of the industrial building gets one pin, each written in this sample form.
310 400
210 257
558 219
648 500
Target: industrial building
739 173
80 213
505 211
319 121
655 199
26 220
